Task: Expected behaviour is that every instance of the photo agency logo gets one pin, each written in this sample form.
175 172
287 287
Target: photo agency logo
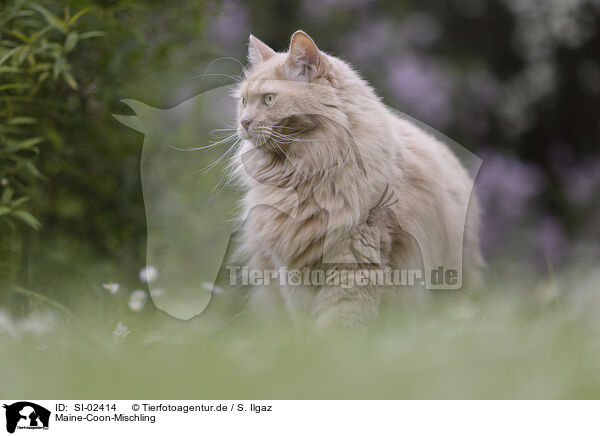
320 195
24 415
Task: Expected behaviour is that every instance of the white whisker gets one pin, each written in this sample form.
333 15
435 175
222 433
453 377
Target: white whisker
291 138
214 144
229 58
216 162
236 79
289 159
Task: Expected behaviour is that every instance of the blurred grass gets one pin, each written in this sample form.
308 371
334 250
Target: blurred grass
516 339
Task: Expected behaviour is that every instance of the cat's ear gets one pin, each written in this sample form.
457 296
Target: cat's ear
303 56
258 51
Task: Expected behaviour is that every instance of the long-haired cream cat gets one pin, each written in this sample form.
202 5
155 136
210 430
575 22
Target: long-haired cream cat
334 181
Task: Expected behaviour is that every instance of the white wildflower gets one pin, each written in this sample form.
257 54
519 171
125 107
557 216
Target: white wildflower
111 287
136 305
137 300
148 274
120 333
139 295
4 181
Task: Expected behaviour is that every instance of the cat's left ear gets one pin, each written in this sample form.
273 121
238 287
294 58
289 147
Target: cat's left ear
303 56
258 51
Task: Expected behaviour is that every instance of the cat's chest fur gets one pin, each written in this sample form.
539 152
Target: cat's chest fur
286 226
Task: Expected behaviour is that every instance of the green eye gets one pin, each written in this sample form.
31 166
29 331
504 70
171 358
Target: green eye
269 99
244 102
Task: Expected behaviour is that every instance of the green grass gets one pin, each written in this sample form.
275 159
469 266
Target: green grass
518 339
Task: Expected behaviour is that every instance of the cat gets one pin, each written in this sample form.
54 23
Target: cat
334 180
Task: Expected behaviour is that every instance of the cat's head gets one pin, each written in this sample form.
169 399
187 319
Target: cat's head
286 94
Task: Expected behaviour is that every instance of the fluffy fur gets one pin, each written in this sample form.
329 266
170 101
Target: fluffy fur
333 177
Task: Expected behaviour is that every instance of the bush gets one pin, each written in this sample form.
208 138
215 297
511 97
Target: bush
35 50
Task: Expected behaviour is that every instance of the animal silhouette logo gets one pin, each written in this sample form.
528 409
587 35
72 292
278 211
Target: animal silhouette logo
26 415
188 209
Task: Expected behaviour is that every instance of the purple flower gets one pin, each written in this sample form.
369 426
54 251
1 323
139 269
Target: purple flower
505 189
422 87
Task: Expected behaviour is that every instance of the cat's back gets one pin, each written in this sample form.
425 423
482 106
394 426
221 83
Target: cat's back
426 158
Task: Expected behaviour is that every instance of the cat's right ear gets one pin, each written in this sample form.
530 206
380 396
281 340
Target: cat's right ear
303 54
258 51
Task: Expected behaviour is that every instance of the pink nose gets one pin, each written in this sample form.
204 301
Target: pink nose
246 124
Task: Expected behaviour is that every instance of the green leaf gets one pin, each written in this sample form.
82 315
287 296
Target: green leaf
23 145
9 69
54 137
30 166
12 52
59 66
27 218
71 41
8 43
4 210
50 18
19 201
92 34
21 120
36 35
7 195
40 67
22 55
68 77
18 35
78 15
43 76
14 86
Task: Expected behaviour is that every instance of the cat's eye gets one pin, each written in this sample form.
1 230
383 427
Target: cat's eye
244 102
269 99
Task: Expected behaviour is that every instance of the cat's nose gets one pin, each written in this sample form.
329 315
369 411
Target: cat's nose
246 124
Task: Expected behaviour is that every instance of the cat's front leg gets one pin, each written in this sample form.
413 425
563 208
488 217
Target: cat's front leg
352 307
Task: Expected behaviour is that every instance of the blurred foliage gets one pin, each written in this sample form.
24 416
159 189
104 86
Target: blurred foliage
34 45
65 162
34 70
